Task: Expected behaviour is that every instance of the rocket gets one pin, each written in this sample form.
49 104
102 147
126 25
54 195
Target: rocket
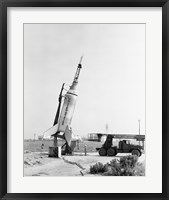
69 103
62 121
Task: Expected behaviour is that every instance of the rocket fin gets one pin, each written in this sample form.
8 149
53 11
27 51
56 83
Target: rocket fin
51 131
70 138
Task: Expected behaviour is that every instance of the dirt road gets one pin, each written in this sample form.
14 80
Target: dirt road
39 164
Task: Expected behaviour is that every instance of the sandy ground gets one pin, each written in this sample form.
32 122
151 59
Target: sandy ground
39 164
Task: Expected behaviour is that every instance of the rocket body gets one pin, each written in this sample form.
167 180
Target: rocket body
67 110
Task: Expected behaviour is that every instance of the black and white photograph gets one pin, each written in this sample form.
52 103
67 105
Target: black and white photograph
84 99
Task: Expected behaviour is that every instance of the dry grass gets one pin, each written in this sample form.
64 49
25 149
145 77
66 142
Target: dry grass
35 146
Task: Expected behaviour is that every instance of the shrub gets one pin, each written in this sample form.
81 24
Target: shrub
113 168
97 168
126 166
128 161
139 169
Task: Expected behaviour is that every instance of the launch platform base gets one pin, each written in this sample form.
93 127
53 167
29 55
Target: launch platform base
55 152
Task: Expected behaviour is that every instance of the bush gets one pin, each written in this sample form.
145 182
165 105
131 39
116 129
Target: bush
97 168
139 169
126 166
128 161
113 168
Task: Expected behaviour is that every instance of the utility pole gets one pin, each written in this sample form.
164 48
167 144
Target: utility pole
139 128
34 136
107 128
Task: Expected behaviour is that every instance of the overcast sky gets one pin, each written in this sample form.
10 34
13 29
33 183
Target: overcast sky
111 87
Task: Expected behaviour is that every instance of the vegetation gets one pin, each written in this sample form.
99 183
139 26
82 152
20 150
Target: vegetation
126 166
